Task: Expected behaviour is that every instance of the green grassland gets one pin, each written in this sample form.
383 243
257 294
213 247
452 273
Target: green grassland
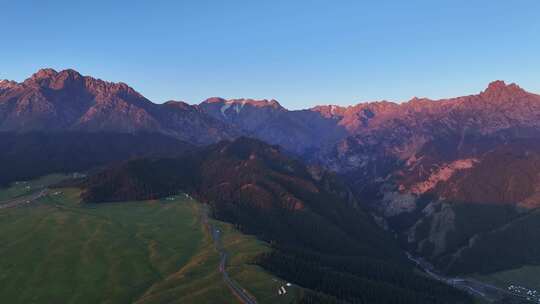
263 286
56 250
26 187
526 276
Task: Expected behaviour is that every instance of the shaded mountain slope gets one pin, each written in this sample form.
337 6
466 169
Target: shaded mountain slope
451 176
477 194
511 245
32 154
302 132
322 238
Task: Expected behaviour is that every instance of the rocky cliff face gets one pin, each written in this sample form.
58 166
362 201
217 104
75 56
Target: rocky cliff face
423 143
449 175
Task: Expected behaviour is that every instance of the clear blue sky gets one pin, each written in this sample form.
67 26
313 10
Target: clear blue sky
299 52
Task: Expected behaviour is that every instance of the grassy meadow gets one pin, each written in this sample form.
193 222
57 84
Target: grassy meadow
27 187
57 250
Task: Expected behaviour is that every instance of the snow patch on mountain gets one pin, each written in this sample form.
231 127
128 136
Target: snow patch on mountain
224 108
236 105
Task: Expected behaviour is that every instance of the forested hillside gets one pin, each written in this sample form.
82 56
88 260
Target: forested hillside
322 239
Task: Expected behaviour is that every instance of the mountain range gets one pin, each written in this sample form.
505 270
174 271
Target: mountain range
451 178
68 101
417 146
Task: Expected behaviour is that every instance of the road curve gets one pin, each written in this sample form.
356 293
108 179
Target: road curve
236 289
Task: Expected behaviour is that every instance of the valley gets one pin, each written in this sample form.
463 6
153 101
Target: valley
57 250
321 238
270 152
481 287
328 198
523 281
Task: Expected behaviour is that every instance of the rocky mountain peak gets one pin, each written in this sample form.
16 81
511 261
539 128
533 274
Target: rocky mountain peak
215 100
330 110
260 103
500 91
6 84
176 104
52 79
72 80
43 74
